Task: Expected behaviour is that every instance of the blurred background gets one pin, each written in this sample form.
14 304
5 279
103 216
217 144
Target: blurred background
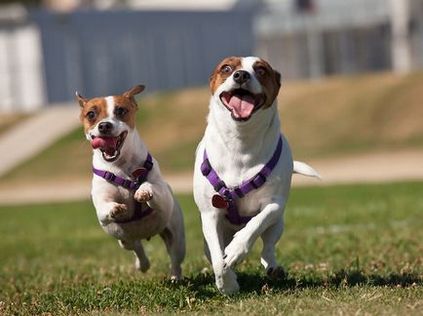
53 47
351 96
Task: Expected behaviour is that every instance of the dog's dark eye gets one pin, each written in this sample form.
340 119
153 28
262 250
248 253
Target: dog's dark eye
226 69
91 115
120 112
261 71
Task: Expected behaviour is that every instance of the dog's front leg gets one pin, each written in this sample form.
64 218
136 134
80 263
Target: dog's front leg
156 195
108 210
225 278
243 240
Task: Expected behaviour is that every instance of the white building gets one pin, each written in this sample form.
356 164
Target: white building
312 38
21 63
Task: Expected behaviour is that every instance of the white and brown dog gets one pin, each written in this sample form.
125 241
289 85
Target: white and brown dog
243 168
132 200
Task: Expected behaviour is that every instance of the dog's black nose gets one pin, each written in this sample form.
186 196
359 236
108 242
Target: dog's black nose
241 76
105 127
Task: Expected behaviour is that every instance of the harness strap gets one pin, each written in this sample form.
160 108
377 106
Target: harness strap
230 194
141 175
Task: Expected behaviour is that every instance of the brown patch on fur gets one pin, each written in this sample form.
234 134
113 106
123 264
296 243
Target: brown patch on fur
81 99
125 108
134 91
97 106
130 107
269 79
127 102
218 76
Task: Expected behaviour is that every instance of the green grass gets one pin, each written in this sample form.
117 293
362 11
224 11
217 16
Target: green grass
348 250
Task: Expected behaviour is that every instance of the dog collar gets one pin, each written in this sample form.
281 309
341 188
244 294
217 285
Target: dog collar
225 197
139 174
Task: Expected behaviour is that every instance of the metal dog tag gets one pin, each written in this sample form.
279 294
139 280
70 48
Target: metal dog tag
139 173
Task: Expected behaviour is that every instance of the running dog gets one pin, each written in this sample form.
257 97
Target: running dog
131 199
243 168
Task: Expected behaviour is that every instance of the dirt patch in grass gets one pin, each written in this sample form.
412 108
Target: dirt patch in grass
9 120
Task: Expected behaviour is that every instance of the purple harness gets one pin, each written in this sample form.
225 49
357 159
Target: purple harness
226 197
141 175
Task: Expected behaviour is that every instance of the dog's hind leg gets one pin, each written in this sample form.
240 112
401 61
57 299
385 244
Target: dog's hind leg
207 250
268 259
174 238
141 261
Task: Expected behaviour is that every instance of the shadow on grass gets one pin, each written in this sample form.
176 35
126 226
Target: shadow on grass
203 284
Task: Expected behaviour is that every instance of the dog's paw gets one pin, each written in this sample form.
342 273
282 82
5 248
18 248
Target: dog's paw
143 196
277 273
144 193
235 252
226 282
118 212
175 273
175 279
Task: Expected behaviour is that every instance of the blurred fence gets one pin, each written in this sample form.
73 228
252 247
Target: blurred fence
341 37
101 53
45 57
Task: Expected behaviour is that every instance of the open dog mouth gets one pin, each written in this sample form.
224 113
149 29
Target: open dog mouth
242 103
109 145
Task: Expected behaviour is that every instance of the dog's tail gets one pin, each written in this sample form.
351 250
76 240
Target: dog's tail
305 170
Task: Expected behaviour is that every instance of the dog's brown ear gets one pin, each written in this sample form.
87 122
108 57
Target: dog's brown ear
278 77
82 101
134 91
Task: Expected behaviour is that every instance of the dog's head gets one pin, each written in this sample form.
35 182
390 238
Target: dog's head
108 120
244 85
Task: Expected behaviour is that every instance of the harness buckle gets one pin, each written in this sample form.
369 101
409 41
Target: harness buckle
109 176
148 164
258 180
127 184
239 192
227 194
206 168
219 185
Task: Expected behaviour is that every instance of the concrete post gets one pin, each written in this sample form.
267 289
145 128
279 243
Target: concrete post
400 47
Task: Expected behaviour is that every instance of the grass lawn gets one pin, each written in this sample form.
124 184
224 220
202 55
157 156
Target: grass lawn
348 250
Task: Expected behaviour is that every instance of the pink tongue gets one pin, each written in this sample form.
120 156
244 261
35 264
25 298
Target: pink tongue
108 144
242 107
